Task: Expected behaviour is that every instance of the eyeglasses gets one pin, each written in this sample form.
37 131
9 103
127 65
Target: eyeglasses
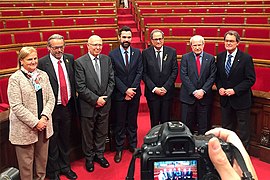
57 47
158 39
96 45
230 41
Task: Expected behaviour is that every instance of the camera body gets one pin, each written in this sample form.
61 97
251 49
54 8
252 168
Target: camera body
170 151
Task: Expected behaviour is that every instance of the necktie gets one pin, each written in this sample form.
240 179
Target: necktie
126 59
97 70
228 65
198 64
159 61
63 85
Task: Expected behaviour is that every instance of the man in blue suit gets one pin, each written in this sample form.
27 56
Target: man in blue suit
127 65
159 74
197 72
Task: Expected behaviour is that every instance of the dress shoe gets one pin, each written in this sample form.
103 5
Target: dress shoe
70 174
118 156
102 161
89 166
131 149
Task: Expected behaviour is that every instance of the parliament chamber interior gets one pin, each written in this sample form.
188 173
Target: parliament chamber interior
31 22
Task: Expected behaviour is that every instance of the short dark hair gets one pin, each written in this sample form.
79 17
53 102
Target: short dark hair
124 28
233 33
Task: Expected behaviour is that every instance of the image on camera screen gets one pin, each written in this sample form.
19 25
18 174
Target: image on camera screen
176 170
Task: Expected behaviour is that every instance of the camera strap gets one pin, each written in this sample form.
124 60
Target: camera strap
241 162
131 168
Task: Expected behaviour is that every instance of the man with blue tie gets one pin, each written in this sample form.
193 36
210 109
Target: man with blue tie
198 73
127 65
235 77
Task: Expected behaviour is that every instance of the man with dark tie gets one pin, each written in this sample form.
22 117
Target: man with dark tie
94 83
60 69
159 74
127 65
198 73
235 77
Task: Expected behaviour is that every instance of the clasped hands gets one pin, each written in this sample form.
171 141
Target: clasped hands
226 92
101 101
198 93
42 124
160 91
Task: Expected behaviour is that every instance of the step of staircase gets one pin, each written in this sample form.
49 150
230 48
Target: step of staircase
125 17
124 11
131 24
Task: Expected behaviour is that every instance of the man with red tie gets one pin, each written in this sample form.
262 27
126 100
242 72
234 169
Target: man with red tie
197 72
60 69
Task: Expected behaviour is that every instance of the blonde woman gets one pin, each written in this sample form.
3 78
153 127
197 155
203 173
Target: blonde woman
31 103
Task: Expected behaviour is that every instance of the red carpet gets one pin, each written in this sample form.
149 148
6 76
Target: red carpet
118 171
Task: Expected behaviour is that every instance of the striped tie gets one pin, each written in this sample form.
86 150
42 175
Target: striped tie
228 65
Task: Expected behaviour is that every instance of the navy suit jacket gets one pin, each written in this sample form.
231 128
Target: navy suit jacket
191 81
46 65
152 76
87 84
241 79
126 79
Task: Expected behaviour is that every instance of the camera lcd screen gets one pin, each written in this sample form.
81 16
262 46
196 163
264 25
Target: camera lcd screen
176 170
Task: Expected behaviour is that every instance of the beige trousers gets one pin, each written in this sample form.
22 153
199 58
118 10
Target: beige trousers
32 159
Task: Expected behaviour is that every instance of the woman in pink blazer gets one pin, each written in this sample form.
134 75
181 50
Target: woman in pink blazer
31 102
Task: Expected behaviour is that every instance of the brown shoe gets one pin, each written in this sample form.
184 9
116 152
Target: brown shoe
118 156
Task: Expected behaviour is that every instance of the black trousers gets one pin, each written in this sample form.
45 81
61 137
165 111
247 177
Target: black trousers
193 114
126 113
237 120
94 133
58 156
159 111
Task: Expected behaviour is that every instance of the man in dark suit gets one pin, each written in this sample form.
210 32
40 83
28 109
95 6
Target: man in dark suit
94 83
197 72
235 77
127 65
159 74
60 66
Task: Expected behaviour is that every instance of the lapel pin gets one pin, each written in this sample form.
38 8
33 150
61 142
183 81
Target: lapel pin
132 53
165 58
67 61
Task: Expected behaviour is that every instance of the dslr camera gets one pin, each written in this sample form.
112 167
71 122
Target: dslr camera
171 152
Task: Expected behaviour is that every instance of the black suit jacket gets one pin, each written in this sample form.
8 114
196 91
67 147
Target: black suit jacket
191 81
152 76
241 79
88 87
46 65
126 79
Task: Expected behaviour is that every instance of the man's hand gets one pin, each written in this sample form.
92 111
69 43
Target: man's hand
101 101
199 94
221 92
161 91
229 92
131 92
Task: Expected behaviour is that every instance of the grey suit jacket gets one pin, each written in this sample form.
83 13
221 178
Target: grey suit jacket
191 81
88 87
23 108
